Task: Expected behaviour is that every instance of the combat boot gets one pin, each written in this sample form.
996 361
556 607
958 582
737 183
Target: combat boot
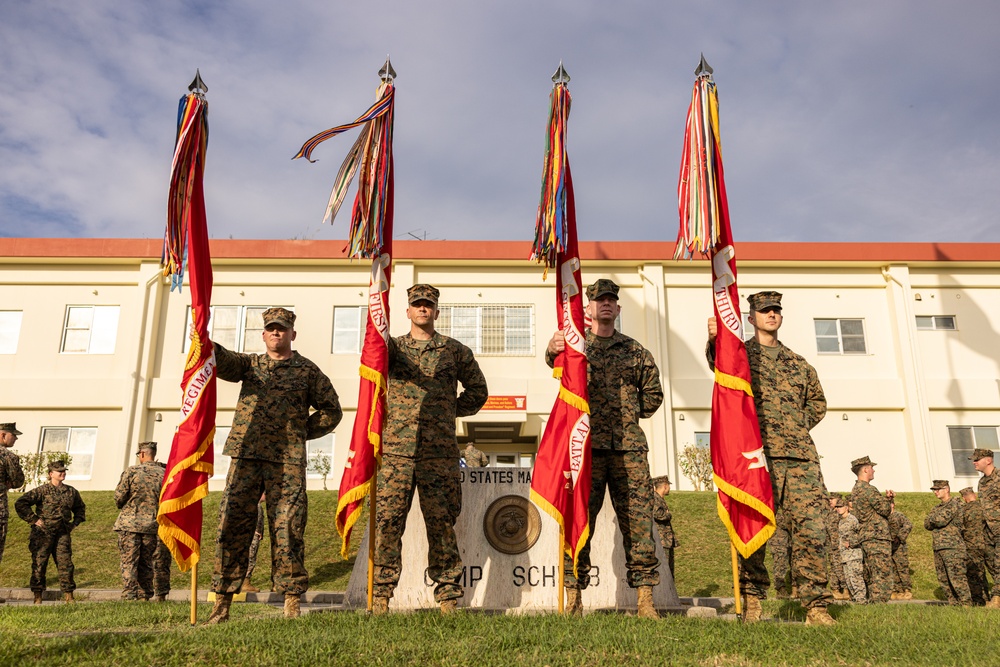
220 612
69 598
906 595
248 587
162 597
38 597
574 602
994 602
449 607
380 605
841 594
819 616
646 608
894 595
292 605
752 609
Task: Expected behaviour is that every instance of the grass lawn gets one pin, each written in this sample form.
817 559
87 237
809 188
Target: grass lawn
119 633
702 566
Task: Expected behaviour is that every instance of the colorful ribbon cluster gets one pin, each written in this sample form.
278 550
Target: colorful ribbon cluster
372 152
550 223
698 185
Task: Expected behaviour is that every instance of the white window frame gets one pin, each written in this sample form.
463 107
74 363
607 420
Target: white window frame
960 457
936 322
246 339
840 336
103 319
472 333
81 441
10 330
359 312
221 462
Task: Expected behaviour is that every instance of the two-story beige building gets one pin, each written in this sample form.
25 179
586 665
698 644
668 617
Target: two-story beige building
904 337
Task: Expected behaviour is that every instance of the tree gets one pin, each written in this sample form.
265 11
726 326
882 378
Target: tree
696 464
36 466
321 465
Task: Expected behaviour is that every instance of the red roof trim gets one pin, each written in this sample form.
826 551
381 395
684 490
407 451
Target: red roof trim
651 251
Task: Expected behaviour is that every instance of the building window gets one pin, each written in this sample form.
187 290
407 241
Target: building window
703 439
966 438
236 328
90 330
319 456
840 336
79 443
10 330
221 464
349 323
936 322
503 330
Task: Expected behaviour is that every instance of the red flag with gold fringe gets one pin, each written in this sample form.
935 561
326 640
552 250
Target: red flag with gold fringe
745 499
560 481
191 459
370 237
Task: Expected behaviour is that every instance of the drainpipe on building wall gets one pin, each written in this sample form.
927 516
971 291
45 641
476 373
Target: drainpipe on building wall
140 374
918 379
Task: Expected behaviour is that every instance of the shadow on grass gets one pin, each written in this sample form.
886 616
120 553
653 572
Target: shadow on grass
709 591
333 571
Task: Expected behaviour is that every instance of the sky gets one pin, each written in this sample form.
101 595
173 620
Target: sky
840 121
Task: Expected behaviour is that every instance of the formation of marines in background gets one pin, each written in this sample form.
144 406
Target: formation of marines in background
825 547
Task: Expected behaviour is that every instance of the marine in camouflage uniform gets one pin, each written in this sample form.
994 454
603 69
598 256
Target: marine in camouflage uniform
474 458
138 497
258 535
989 498
850 554
267 444
835 566
623 385
790 402
973 534
53 510
873 510
419 449
663 519
899 531
945 523
11 477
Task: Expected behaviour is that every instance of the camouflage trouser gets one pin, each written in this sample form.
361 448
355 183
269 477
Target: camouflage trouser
781 557
161 569
138 553
835 567
878 569
993 558
950 567
4 517
800 494
42 544
901 581
254 547
287 510
440 502
854 578
975 573
667 540
626 475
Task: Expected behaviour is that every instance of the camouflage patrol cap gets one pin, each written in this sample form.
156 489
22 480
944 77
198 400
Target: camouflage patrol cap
863 461
762 300
57 466
281 316
603 287
423 292
841 502
10 427
981 454
967 491
940 484
148 446
662 479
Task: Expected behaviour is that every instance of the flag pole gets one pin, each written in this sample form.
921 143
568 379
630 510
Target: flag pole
736 579
194 594
371 541
559 569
